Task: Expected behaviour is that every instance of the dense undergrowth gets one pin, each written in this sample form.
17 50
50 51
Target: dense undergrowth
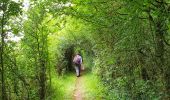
92 88
62 88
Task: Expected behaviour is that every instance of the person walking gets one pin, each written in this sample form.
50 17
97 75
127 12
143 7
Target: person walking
77 62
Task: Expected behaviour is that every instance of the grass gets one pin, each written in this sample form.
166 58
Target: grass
63 87
93 89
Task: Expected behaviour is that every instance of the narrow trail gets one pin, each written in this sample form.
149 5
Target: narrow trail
82 91
79 90
78 93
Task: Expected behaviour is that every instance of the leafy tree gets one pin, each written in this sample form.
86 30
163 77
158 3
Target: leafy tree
8 8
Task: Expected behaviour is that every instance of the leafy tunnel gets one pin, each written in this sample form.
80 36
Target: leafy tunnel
125 45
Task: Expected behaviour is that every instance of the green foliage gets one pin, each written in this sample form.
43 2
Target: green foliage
61 87
93 88
124 42
127 43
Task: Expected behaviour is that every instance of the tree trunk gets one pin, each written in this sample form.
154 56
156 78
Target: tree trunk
2 60
42 81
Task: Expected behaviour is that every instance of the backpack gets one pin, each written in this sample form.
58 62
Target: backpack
77 59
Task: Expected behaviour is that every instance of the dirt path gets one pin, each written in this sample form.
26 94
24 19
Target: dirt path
78 93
